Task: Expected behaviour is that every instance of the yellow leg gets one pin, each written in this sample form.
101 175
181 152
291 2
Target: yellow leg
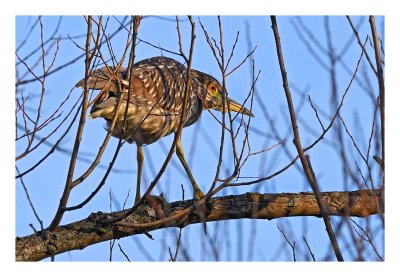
197 193
140 159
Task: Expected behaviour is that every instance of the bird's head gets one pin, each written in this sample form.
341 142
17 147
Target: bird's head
212 95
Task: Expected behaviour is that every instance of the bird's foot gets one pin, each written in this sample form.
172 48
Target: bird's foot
201 210
198 194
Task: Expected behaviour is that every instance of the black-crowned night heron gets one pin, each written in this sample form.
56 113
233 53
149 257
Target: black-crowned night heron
155 103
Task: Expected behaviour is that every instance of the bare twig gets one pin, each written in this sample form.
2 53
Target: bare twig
316 113
381 85
372 128
54 147
309 249
361 45
367 239
305 163
178 245
65 65
63 201
123 252
30 201
242 62
292 245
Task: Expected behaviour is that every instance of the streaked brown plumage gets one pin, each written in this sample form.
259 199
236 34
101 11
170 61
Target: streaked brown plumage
155 102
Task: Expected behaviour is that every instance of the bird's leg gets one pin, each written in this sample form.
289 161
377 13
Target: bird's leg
197 193
140 159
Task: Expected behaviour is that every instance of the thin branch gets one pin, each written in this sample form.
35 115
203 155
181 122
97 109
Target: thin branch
123 252
55 146
316 113
309 249
29 200
178 245
367 239
129 42
381 86
361 45
50 118
240 64
304 161
292 245
233 49
64 198
65 65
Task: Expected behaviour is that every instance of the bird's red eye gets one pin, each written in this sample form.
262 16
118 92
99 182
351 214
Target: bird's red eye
212 88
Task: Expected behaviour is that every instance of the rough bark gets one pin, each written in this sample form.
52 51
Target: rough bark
91 230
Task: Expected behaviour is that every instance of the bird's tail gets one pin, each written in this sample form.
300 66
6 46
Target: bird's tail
100 78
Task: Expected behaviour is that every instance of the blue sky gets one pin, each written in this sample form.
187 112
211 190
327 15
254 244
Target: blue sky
304 72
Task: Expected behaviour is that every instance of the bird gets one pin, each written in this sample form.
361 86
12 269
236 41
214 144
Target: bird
154 94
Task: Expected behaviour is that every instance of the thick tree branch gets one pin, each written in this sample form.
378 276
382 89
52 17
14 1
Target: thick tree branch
92 230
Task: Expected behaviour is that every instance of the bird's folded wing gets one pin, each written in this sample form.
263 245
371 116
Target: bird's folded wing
100 78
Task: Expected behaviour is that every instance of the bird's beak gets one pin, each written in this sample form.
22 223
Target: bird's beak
236 107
